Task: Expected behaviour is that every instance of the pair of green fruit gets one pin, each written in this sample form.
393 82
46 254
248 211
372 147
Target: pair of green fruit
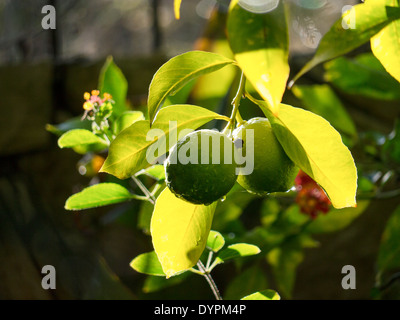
203 182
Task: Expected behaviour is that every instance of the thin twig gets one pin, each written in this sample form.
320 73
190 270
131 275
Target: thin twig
210 280
142 187
210 255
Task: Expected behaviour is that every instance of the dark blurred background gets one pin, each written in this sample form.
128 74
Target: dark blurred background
43 74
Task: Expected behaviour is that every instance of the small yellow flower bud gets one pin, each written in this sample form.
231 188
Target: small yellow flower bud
88 105
107 96
86 96
95 92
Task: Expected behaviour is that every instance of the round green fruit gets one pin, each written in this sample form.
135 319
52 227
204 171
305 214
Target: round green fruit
201 172
273 170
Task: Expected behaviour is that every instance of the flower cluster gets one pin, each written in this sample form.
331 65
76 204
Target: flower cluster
310 196
94 105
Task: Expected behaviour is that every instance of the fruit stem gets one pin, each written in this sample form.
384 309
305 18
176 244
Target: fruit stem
236 103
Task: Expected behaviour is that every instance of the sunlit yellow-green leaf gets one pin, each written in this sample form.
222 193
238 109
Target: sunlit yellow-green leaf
113 81
386 45
177 72
234 251
215 241
147 263
82 141
179 232
98 195
260 45
263 295
126 119
322 100
316 148
127 153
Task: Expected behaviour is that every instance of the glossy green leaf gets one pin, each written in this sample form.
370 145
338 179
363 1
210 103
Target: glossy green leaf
178 71
181 96
101 194
322 100
156 172
389 250
82 141
368 18
112 81
126 119
364 75
179 231
317 149
260 45
215 241
147 263
127 153
247 281
386 45
263 295
234 251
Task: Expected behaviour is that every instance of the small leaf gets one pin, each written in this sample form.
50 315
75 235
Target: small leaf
177 9
127 153
263 295
178 71
73 123
126 119
322 100
317 149
215 241
147 263
156 172
101 194
370 17
234 251
179 232
83 139
112 81
260 45
364 75
386 45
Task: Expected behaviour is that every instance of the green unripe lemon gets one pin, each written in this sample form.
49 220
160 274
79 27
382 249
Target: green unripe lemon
201 172
273 170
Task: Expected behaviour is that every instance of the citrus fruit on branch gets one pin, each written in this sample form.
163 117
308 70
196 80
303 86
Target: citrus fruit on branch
201 167
273 169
